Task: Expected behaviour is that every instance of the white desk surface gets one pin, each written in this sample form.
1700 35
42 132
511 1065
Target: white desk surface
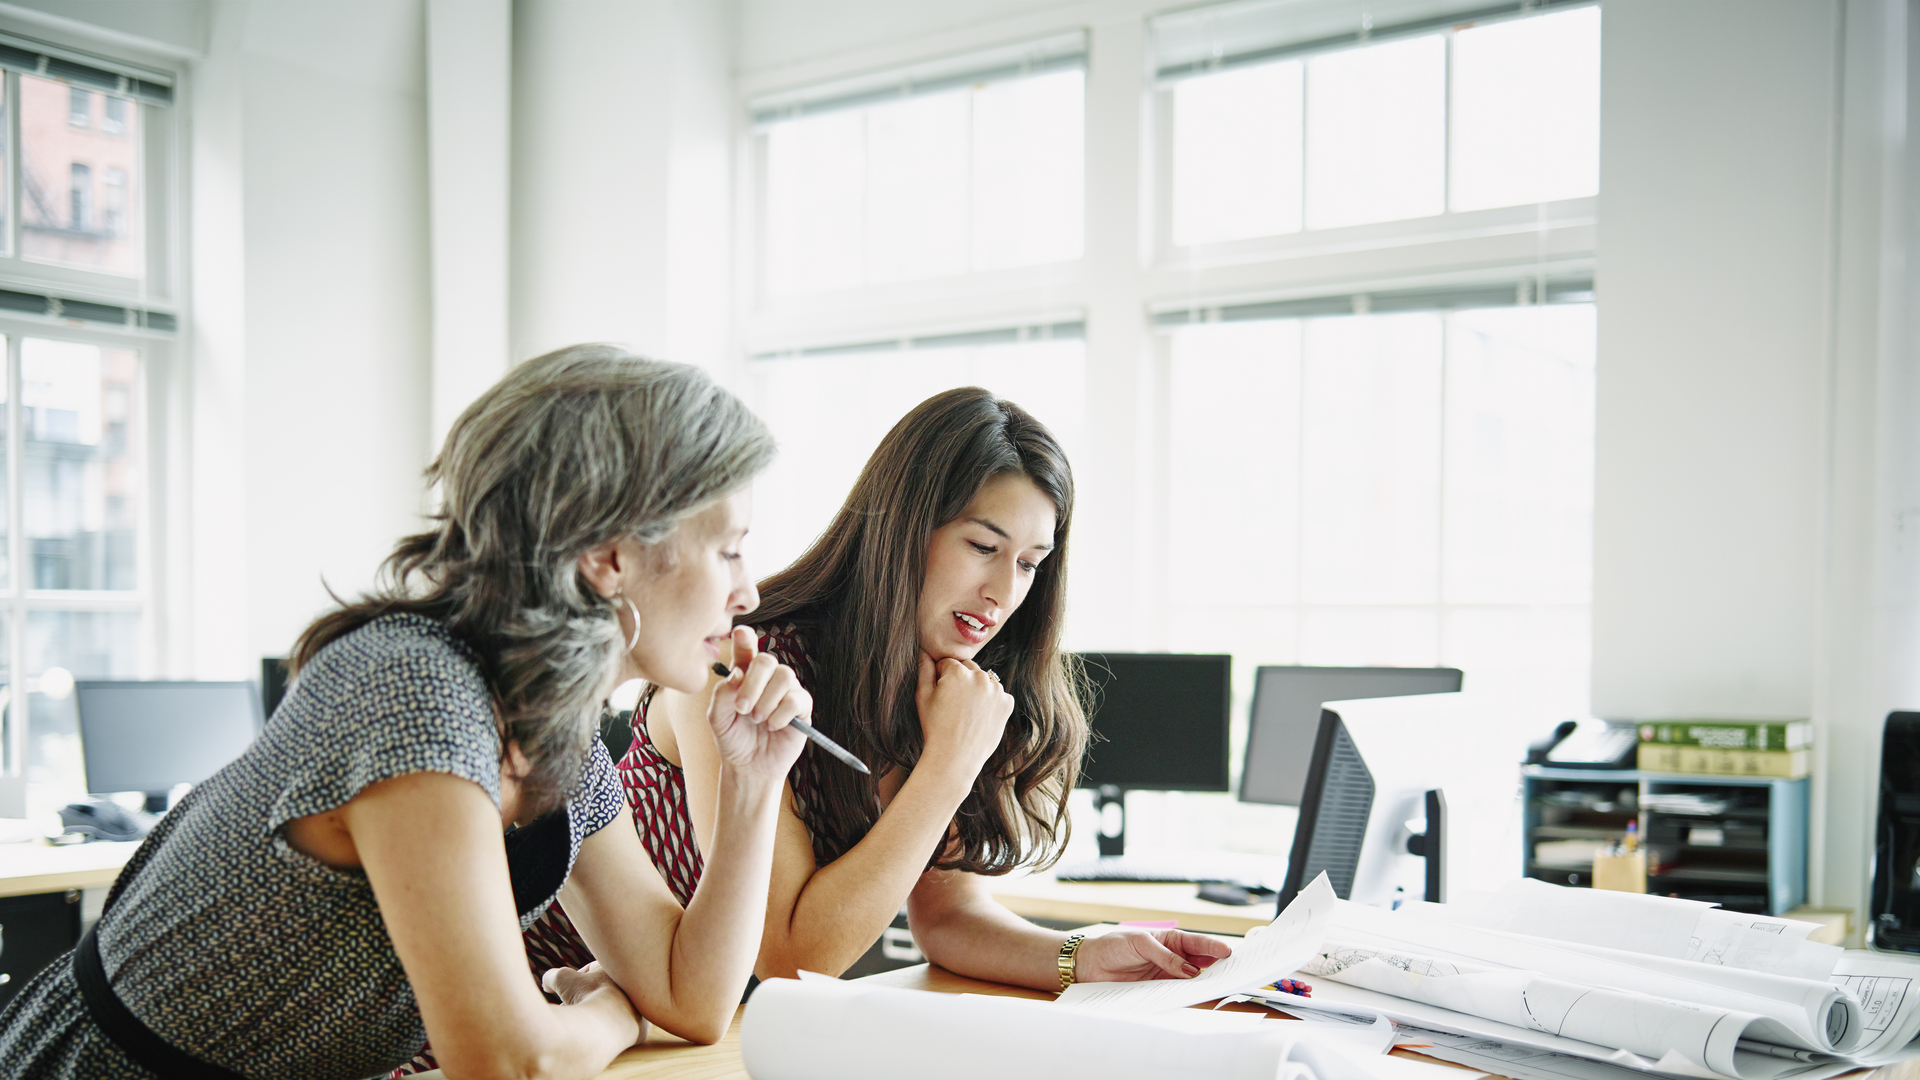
35 867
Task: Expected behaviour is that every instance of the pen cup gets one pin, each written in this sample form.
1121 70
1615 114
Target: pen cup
1626 872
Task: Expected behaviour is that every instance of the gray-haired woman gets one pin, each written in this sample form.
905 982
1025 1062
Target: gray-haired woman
344 890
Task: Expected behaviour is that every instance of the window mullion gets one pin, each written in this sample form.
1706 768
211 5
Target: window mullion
15 180
16 552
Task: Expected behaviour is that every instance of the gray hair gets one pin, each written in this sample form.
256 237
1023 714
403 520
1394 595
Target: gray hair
571 450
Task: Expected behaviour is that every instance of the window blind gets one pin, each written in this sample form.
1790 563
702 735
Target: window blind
1573 289
59 307
85 69
1059 52
1201 40
1006 335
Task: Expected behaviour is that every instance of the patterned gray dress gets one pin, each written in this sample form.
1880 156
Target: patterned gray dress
242 951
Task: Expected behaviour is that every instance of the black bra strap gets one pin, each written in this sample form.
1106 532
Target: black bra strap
157 1055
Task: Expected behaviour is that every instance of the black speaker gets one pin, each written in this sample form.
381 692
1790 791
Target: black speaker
1894 919
35 931
273 683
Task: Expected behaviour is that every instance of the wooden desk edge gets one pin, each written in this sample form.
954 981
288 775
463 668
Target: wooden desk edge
58 881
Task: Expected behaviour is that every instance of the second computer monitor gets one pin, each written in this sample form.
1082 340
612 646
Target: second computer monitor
1286 718
1159 721
151 736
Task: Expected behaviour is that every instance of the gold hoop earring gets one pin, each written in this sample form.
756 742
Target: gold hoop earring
634 638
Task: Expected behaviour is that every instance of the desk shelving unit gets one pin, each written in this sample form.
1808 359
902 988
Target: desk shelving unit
1751 856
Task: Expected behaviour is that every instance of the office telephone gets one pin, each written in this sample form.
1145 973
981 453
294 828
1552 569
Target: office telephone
1588 744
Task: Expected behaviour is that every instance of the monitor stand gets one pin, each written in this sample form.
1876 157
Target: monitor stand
1113 826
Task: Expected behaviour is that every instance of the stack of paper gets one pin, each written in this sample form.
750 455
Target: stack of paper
1545 983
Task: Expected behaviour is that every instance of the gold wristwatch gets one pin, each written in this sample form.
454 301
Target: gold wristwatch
1067 949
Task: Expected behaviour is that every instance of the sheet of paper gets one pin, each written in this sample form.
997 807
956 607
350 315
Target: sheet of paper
1268 953
1528 1063
820 1030
1362 1027
1888 989
1758 943
1652 925
1636 922
1406 1012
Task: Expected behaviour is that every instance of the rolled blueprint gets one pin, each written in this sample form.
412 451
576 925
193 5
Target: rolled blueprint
1639 1023
831 1030
1803 1014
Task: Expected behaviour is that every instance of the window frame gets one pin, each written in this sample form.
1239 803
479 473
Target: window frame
974 300
157 351
145 313
1516 235
161 133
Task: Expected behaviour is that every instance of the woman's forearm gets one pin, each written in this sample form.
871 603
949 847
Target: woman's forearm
960 927
849 902
717 940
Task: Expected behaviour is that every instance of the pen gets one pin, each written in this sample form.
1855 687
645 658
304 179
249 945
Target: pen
806 729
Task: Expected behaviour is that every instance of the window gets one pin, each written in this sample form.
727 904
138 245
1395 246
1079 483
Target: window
80 198
87 295
60 223
1479 116
1417 469
115 201
1341 411
1421 489
912 185
947 169
866 390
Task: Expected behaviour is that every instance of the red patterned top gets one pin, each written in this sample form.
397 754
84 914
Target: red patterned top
656 790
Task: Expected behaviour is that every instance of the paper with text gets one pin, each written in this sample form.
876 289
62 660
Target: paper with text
1888 989
1271 952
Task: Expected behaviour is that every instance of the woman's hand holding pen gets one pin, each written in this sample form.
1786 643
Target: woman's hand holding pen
1131 954
751 711
963 712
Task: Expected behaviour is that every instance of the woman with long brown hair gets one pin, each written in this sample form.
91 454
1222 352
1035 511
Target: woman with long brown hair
926 624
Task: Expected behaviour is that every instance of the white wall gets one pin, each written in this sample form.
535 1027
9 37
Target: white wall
171 27
1755 387
621 192
336 306
1713 278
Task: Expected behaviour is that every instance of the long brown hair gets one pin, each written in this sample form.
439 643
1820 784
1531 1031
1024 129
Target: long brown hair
569 451
855 597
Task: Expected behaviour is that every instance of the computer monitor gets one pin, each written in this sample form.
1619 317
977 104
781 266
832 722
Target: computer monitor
1301 754
1159 723
1286 718
151 736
